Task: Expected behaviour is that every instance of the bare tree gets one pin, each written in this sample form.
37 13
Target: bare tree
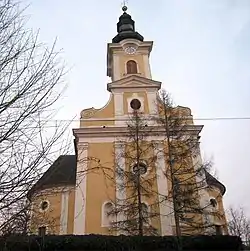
239 224
31 80
16 221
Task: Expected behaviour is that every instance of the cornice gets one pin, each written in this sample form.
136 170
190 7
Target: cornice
119 131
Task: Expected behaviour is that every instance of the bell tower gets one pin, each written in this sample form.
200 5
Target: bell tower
128 53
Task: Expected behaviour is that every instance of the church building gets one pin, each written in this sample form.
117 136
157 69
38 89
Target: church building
120 181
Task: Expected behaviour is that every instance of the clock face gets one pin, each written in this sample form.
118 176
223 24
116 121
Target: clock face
130 50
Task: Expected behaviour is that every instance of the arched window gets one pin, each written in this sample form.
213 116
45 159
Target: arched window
107 214
131 67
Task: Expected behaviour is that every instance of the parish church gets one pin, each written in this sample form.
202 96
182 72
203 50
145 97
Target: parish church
85 193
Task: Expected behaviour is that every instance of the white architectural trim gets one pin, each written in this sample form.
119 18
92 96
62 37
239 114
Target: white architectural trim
80 192
152 103
122 131
120 188
113 139
162 185
118 104
64 212
116 67
147 66
104 217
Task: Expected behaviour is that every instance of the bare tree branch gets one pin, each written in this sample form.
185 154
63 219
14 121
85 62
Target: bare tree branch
239 224
31 80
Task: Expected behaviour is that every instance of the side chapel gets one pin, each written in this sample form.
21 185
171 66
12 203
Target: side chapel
68 200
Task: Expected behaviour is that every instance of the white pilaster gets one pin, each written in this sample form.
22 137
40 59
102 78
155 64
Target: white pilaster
118 103
152 103
120 167
64 212
162 184
147 67
80 193
116 67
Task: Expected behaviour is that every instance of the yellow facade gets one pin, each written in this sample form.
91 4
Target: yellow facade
103 143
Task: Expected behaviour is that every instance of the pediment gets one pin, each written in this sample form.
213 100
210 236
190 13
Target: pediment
134 82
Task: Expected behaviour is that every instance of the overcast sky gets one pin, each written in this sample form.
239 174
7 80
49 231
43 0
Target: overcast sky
201 55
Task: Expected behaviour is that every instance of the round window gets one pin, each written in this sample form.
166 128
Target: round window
44 205
135 104
140 169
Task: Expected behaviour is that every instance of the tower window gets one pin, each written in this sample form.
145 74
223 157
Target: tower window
131 67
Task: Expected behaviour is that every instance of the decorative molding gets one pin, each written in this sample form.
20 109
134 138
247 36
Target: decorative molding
114 138
88 113
122 131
